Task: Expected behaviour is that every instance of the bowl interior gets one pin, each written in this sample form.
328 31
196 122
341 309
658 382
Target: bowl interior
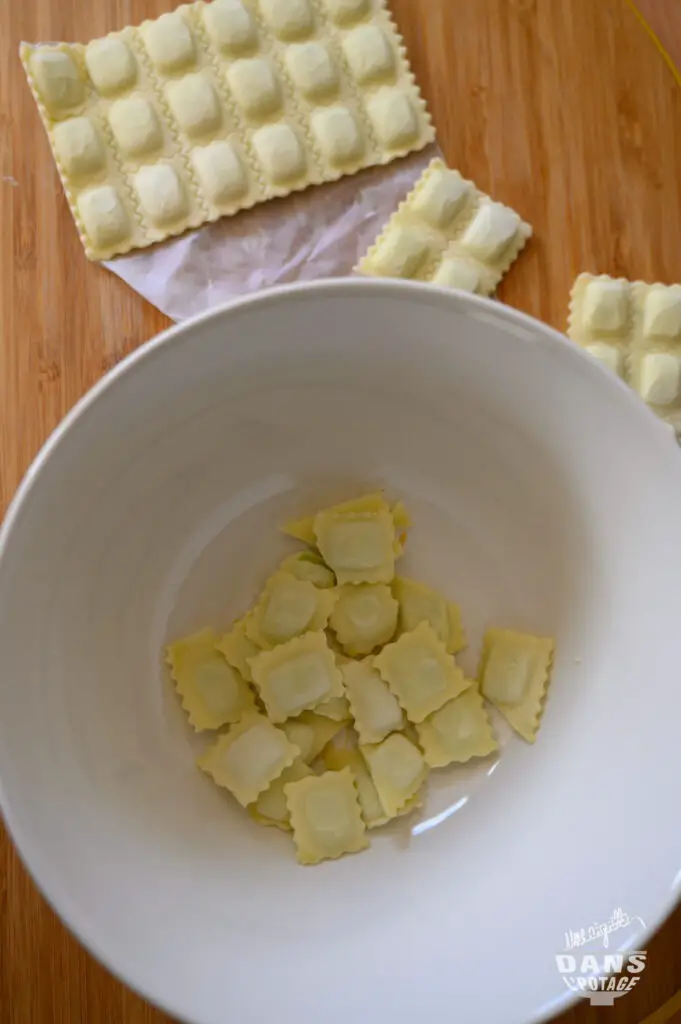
544 498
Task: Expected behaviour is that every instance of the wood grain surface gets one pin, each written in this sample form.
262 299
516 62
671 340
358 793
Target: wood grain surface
562 108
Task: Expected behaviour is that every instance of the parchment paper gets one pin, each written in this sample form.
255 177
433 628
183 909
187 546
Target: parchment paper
321 232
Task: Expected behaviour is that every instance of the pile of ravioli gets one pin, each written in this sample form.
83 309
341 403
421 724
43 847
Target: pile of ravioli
339 691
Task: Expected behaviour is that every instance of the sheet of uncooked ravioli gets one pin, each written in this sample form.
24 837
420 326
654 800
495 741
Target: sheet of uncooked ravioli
215 107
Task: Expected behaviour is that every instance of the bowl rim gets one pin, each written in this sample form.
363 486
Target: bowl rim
526 328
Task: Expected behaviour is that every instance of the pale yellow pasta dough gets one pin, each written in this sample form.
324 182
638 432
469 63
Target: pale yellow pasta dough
336 708
212 692
296 676
303 529
398 770
375 709
419 603
248 758
514 676
246 100
364 617
458 731
325 816
288 608
230 26
420 672
271 808
335 760
309 566
358 546
238 649
311 732
346 739
353 666
633 329
403 524
446 231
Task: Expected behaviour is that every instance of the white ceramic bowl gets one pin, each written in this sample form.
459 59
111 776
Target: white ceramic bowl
545 497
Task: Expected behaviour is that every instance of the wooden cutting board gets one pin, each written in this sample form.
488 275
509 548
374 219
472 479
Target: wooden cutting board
562 108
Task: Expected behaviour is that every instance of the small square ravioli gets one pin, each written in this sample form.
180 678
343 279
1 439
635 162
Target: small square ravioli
420 672
162 195
303 529
398 769
221 172
393 117
419 603
514 677
369 54
136 126
271 808
662 312
104 216
230 25
309 567
401 251
364 617
338 135
326 817
336 708
288 608
372 809
282 157
311 732
169 42
238 649
79 147
194 104
491 232
357 546
287 19
296 676
312 69
458 731
441 196
374 707
211 691
110 64
58 80
255 86
248 758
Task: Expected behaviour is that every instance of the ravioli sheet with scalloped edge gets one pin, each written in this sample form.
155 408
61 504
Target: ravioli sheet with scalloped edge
215 107
449 233
634 330
325 744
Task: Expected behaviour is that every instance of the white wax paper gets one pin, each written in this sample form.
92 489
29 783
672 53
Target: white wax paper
321 232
